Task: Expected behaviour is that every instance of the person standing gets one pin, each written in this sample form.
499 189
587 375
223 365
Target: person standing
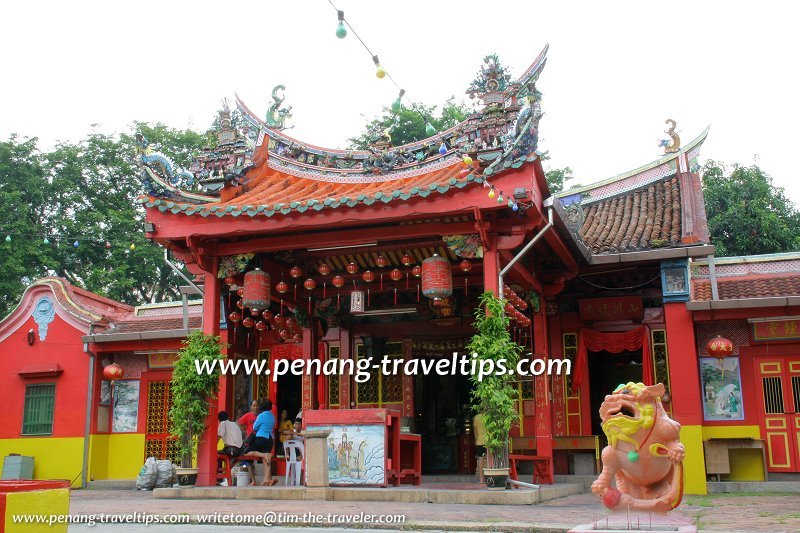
479 431
246 422
264 443
249 418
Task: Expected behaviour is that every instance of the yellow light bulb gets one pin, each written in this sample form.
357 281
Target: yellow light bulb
380 73
133 247
491 193
467 160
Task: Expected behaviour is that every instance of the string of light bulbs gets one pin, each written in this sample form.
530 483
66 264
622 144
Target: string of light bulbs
75 241
380 72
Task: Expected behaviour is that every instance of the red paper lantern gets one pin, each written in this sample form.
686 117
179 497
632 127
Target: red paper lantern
509 307
113 372
465 266
407 260
282 287
719 347
256 290
267 315
291 323
261 325
239 304
284 334
324 269
352 268
235 317
240 291
337 281
381 261
417 271
396 275
230 280
368 276
280 320
248 322
310 284
297 337
295 272
437 278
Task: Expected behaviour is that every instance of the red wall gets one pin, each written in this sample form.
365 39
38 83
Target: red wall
63 346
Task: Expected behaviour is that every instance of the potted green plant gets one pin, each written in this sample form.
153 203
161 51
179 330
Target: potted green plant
191 392
494 395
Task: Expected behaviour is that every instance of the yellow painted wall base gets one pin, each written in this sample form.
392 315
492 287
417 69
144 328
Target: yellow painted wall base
54 502
116 455
54 458
747 464
694 464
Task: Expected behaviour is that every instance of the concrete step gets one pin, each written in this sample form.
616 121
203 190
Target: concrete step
405 494
718 487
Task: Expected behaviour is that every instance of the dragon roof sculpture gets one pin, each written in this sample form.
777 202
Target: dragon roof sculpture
502 134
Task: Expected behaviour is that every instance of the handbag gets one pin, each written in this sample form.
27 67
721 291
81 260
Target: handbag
247 443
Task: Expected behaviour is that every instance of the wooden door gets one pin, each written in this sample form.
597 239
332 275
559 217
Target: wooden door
158 441
779 382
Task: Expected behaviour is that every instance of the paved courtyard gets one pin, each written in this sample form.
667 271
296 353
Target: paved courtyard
724 512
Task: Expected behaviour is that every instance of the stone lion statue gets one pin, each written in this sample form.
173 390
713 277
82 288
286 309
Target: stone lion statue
644 455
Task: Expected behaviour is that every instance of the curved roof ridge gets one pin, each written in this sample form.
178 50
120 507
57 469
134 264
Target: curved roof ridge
665 160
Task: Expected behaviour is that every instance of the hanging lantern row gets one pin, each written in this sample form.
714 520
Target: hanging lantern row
501 197
514 299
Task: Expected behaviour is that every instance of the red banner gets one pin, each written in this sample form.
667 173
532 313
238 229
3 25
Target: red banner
776 330
615 308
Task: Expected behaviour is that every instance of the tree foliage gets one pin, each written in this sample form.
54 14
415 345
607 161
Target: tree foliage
83 192
192 390
494 395
408 125
746 213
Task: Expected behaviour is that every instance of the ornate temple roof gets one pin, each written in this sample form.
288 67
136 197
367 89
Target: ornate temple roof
258 170
656 206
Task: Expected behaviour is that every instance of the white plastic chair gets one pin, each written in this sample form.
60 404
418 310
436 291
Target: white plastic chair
293 452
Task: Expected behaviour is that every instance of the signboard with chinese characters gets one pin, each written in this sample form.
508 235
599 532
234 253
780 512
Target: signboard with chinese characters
616 308
161 360
776 330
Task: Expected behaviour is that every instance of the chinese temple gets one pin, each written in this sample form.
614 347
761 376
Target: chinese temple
304 252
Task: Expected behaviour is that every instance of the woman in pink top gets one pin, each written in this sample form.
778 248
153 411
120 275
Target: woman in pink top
249 418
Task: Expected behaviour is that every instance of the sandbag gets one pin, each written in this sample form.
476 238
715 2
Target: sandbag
146 480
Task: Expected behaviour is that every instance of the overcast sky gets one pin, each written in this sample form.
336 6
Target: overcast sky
615 70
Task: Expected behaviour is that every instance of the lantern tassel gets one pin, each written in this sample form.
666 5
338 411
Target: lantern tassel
324 289
395 296
381 281
309 307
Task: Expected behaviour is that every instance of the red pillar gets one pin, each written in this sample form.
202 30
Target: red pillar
308 383
684 378
544 414
491 267
207 448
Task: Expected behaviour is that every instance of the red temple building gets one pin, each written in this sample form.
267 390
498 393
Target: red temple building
384 252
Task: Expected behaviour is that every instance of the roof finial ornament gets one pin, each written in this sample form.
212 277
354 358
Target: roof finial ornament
277 115
673 144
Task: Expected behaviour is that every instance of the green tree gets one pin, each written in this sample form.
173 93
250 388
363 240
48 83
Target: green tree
746 213
84 192
408 124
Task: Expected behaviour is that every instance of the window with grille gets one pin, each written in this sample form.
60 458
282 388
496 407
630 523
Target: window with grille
658 339
334 353
38 414
773 395
381 389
